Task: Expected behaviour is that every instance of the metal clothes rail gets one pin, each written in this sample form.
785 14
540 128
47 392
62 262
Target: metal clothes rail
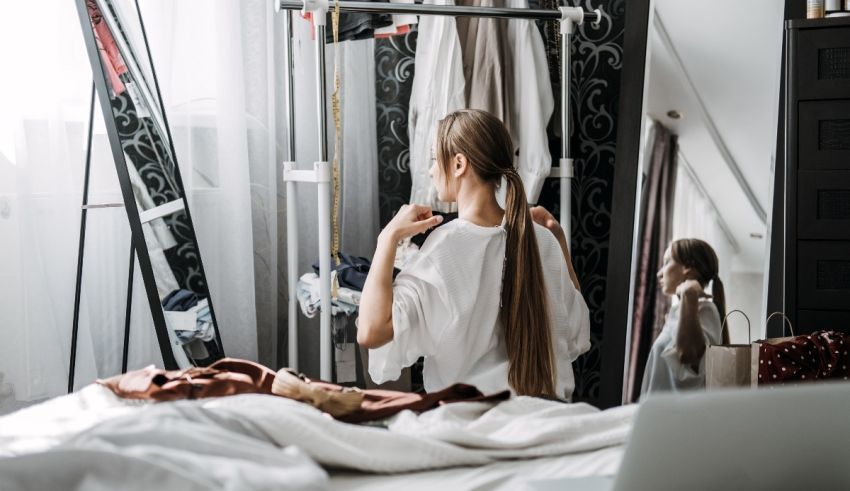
569 18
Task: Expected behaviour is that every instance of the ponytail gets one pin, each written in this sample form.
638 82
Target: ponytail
524 314
719 297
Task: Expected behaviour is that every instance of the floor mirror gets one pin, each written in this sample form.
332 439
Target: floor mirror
155 200
696 159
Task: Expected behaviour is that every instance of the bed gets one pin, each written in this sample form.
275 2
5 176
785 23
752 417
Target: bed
513 474
94 440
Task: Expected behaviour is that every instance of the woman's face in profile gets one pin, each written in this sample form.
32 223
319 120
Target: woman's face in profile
671 274
444 193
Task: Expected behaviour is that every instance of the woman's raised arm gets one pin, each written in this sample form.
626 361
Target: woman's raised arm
375 323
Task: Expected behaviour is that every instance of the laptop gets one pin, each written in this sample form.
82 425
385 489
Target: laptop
765 439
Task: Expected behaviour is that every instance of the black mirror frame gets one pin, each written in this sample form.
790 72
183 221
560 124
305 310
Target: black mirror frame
138 238
621 238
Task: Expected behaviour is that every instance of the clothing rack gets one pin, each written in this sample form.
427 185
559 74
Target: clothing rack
569 17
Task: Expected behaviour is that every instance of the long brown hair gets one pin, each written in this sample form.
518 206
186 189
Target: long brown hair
699 256
486 144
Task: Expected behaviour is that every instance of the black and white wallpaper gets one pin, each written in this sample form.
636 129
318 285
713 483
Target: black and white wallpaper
597 59
595 87
394 59
150 154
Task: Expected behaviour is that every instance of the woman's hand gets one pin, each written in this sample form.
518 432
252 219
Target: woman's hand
541 216
691 289
409 221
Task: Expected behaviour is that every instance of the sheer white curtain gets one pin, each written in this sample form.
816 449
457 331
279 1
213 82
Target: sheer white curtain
215 69
43 128
215 64
220 66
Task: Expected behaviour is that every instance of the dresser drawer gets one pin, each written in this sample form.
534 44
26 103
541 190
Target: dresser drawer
809 321
823 63
824 135
823 275
823 205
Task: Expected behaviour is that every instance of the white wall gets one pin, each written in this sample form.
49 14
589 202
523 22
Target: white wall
744 291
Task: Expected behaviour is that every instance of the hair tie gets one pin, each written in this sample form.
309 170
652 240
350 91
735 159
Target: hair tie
510 171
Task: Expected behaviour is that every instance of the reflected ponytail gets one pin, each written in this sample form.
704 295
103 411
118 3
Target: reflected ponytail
524 311
719 297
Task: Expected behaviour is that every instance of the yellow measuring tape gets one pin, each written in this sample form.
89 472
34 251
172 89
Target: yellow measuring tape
335 105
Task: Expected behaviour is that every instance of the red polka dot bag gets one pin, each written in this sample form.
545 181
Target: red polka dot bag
811 357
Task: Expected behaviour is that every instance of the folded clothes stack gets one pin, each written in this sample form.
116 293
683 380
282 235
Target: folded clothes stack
345 301
189 316
203 324
347 282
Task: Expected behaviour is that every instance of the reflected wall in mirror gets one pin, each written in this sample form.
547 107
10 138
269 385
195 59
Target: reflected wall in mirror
154 197
709 132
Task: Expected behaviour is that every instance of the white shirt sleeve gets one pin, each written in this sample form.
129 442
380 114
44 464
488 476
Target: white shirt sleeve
571 329
579 318
709 321
419 313
569 315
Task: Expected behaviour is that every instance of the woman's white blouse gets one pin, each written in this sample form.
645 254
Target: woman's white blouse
663 370
446 308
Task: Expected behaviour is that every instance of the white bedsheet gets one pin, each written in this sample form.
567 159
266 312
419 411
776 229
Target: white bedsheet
93 440
162 457
235 442
498 476
43 426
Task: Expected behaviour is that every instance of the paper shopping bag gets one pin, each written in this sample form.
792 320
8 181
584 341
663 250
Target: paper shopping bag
728 365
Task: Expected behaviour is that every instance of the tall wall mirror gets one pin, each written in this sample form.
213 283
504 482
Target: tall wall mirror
157 209
705 168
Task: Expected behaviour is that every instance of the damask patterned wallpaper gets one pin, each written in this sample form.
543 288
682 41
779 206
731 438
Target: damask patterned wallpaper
151 157
393 82
595 95
596 64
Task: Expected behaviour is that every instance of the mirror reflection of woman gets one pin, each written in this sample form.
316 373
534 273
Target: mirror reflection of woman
491 299
677 358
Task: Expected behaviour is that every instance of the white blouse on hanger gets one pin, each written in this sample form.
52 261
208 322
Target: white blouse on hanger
446 308
439 88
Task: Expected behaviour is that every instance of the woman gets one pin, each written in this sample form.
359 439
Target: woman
676 360
491 299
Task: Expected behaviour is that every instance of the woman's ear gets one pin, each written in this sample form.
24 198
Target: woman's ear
460 165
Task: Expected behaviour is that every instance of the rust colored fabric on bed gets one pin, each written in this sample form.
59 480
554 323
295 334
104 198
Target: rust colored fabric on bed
232 376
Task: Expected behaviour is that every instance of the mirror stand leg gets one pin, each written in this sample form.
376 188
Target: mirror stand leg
80 250
129 309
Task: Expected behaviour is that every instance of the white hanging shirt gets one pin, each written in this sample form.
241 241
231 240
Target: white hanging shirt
439 89
664 371
446 308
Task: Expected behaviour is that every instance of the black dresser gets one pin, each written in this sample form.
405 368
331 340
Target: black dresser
817 179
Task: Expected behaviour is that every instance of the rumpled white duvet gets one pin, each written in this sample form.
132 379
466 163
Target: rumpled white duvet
93 440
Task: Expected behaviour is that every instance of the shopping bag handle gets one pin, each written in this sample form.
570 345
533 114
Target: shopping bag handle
787 321
723 327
